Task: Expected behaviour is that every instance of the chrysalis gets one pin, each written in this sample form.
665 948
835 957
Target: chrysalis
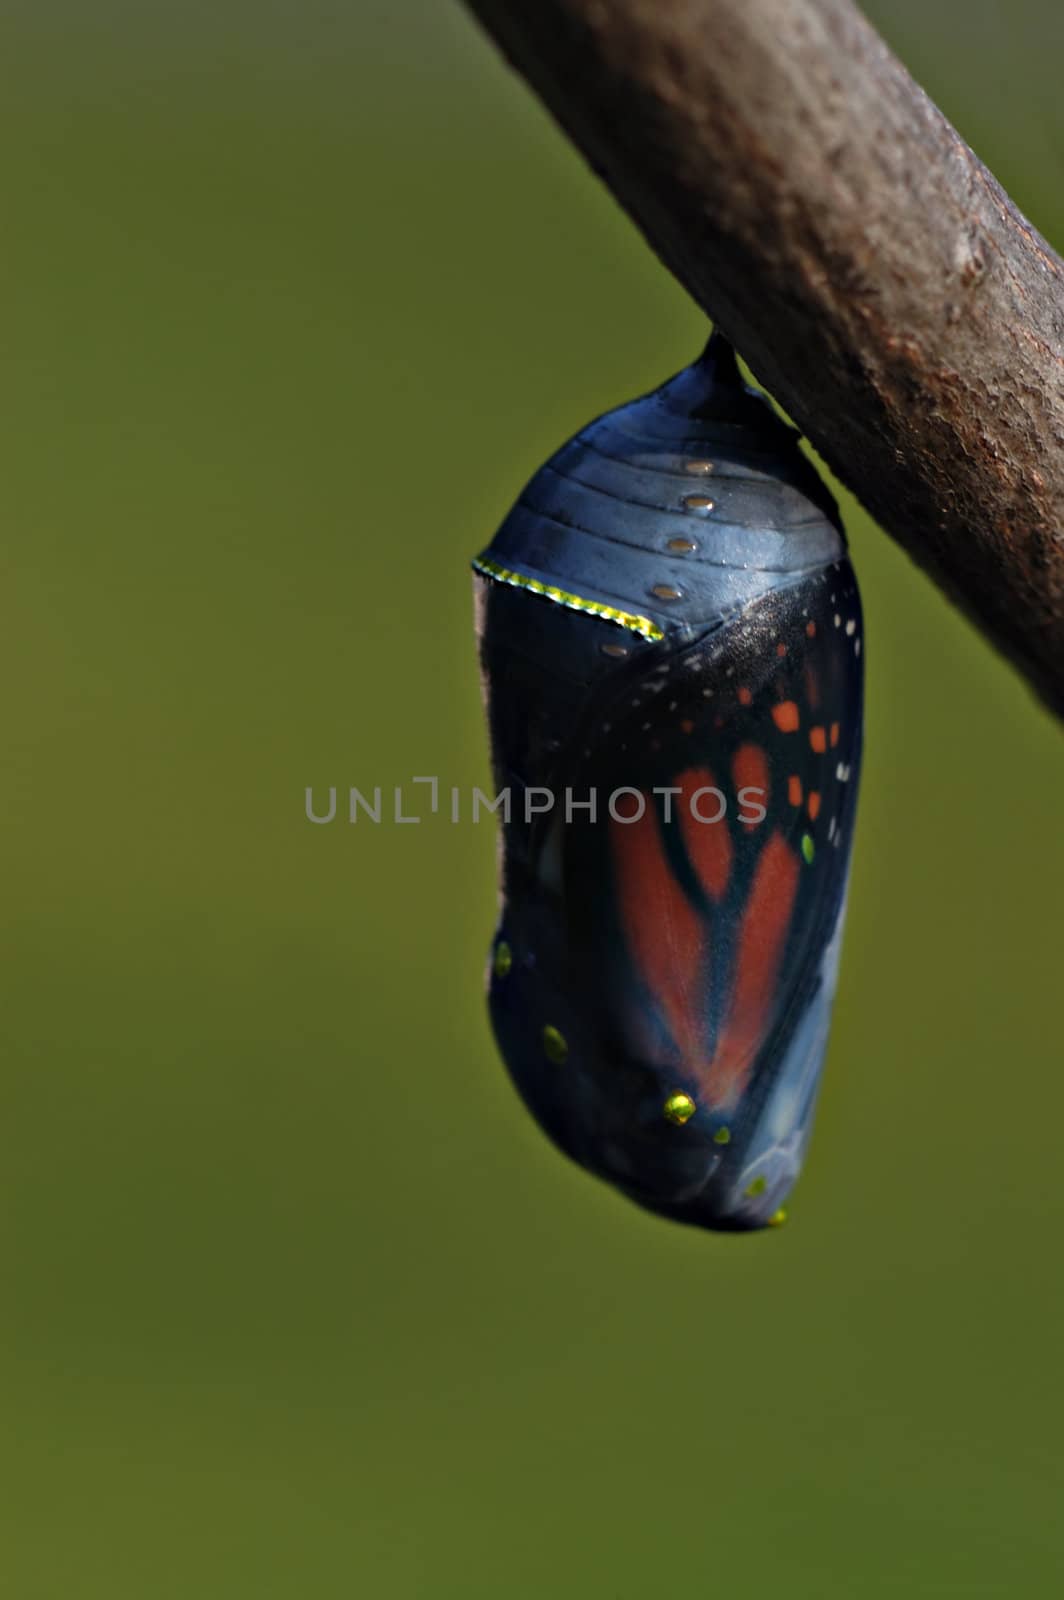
670 638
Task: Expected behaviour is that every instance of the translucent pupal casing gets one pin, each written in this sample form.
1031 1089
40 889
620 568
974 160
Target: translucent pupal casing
668 621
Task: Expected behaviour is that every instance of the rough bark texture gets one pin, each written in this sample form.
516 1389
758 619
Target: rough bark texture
873 273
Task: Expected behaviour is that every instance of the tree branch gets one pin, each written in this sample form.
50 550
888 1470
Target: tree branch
873 273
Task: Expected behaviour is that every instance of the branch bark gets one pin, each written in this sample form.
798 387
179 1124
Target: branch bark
870 269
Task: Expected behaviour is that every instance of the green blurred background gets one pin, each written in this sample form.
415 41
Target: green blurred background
296 1300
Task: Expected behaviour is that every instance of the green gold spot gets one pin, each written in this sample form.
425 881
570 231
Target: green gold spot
504 959
758 1186
554 1046
778 1218
679 1108
808 850
722 1136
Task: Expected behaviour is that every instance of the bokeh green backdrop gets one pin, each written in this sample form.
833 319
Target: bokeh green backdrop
296 1301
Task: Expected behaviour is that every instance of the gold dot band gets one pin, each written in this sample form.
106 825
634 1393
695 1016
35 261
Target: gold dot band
575 602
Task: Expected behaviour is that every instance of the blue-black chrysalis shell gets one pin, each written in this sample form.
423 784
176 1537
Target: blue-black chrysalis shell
669 622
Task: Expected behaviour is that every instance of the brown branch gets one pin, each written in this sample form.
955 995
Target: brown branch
876 277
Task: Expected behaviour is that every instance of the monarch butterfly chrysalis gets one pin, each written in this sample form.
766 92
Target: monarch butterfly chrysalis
670 639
